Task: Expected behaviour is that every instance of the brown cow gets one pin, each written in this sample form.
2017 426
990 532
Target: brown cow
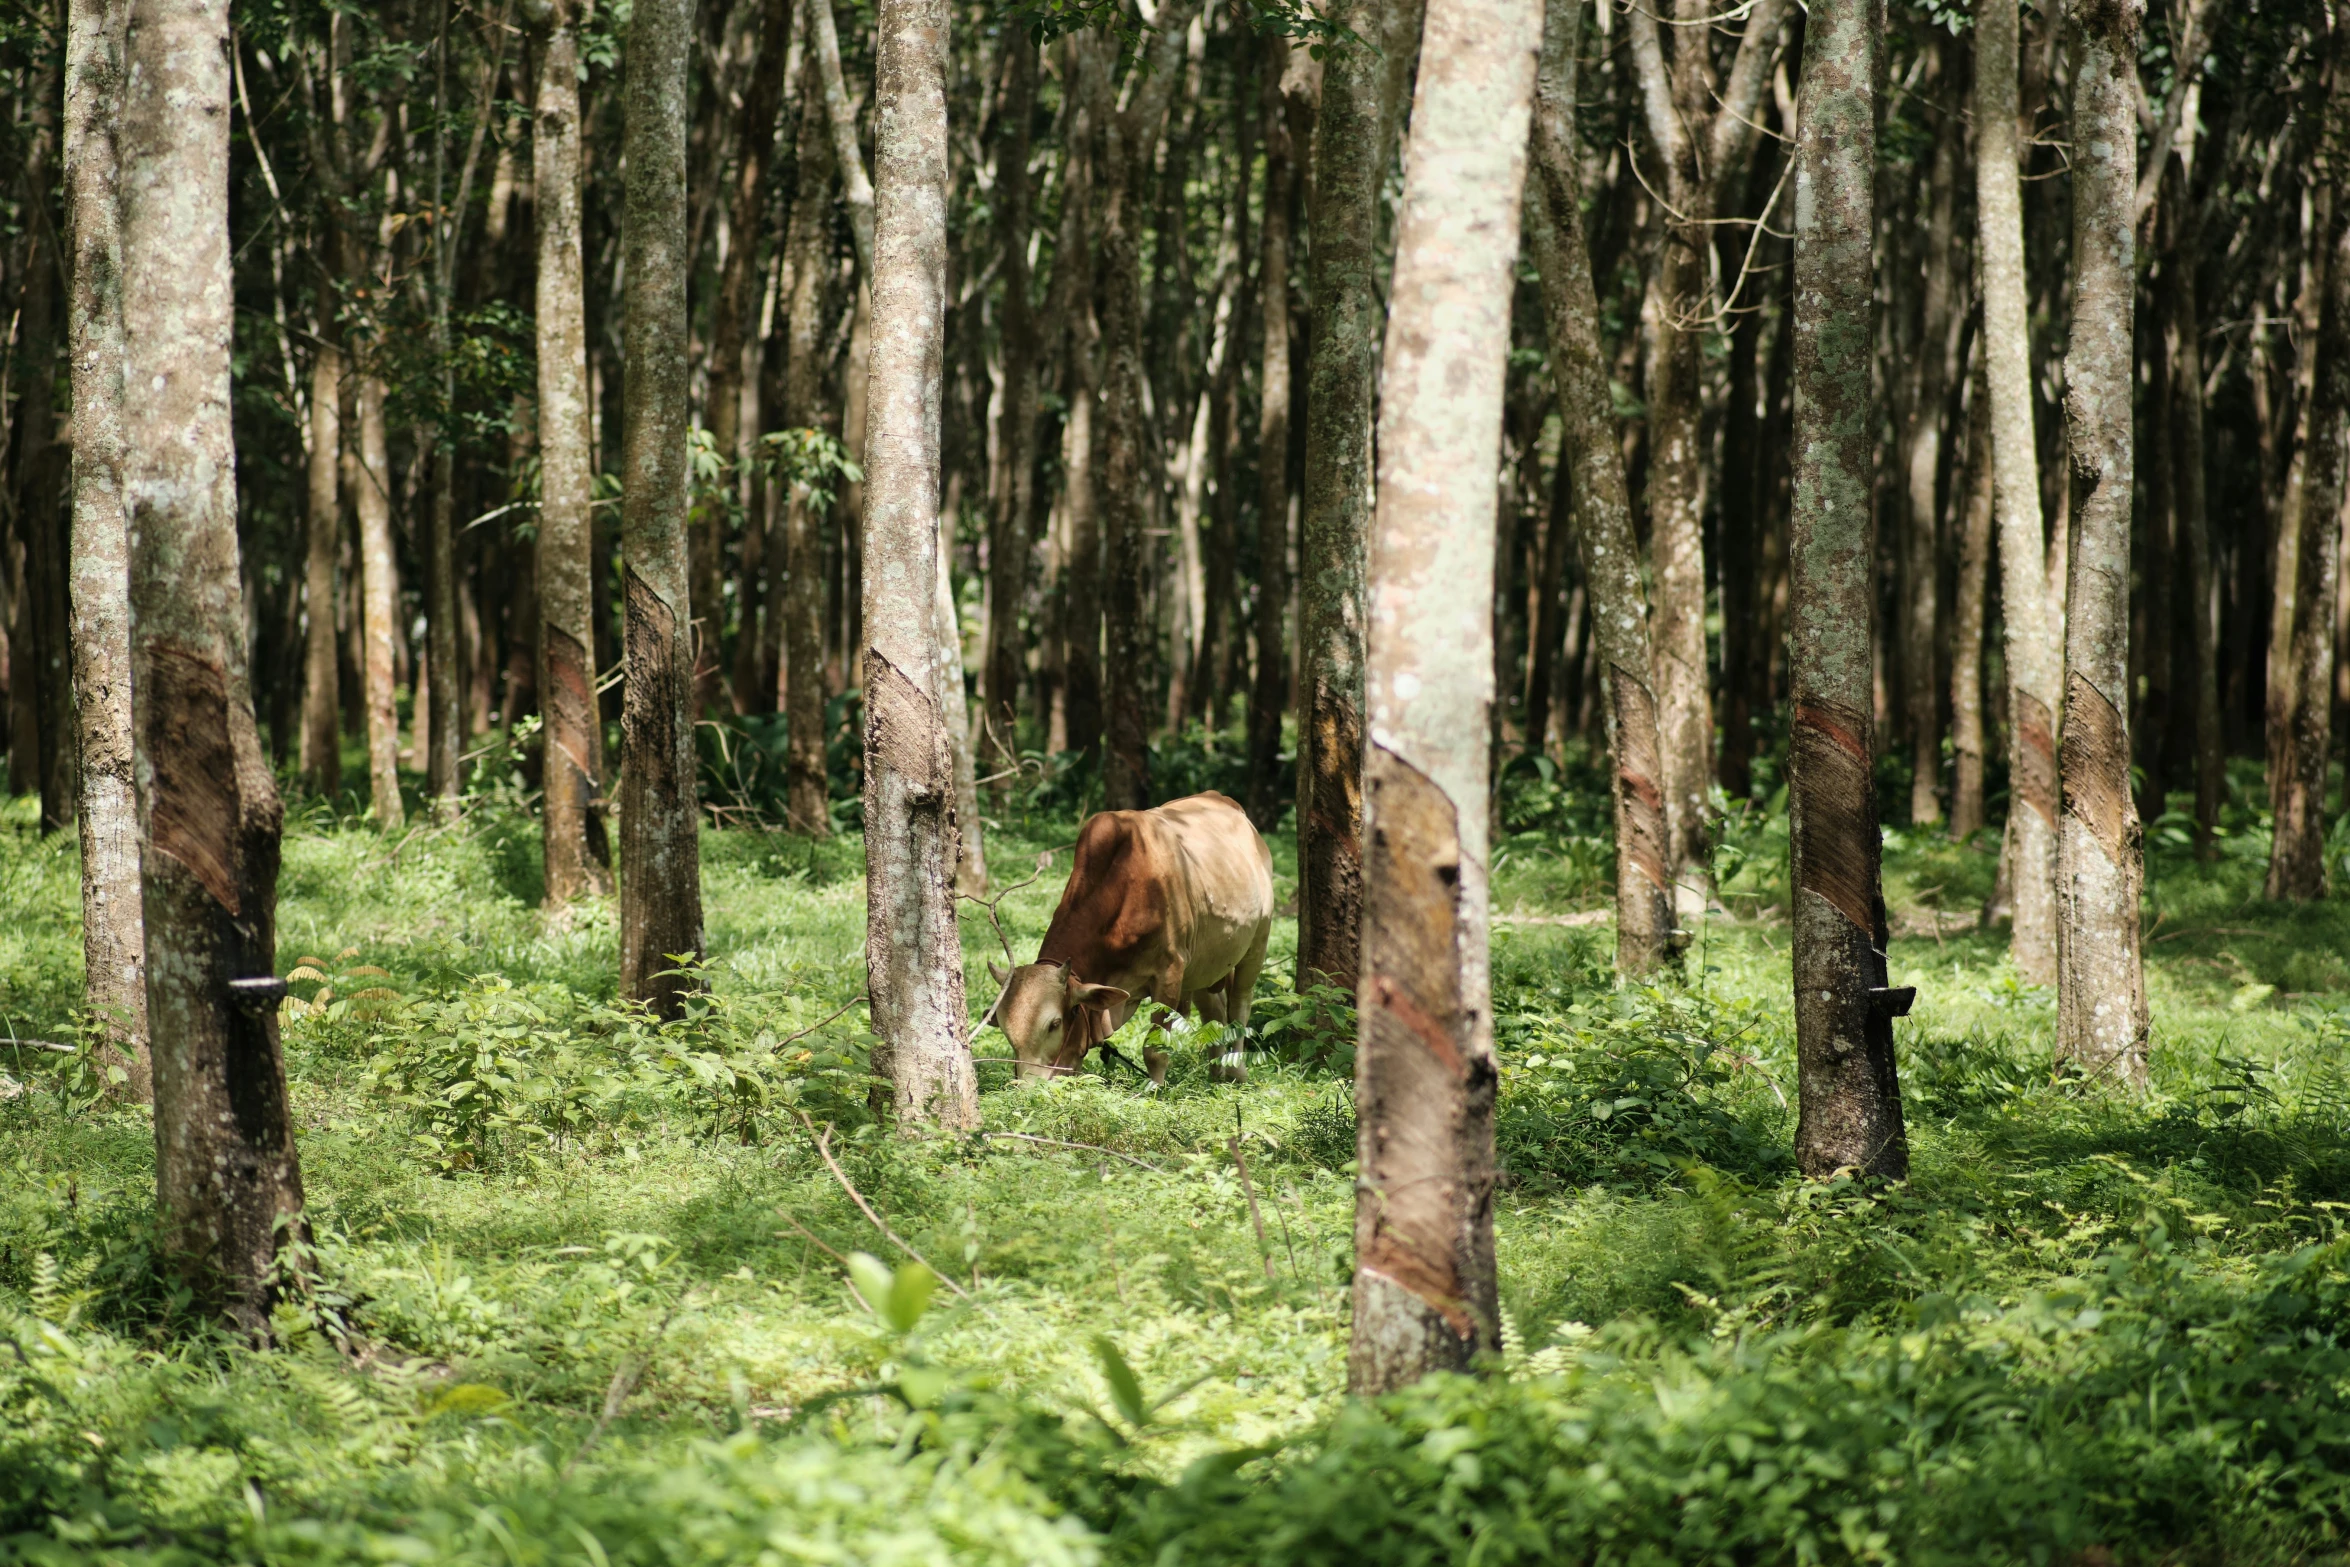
1172 904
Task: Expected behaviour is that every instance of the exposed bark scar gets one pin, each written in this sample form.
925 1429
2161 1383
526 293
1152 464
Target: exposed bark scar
194 807
905 730
2096 756
1428 1030
2036 755
1836 858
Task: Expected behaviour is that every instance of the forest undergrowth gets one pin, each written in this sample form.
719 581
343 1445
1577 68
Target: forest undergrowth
585 1289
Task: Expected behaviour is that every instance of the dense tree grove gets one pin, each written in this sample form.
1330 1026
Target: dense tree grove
1673 435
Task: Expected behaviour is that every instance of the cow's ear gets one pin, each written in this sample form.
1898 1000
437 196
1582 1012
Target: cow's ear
1084 995
999 975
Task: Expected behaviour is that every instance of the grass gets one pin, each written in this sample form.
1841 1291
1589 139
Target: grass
578 1299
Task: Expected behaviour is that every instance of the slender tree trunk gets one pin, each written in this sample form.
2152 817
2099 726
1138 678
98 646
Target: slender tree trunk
1269 692
113 941
2194 528
2296 865
379 606
1921 554
2027 607
321 754
228 1181
807 804
2101 989
660 854
955 711
1425 1295
1012 504
1966 637
573 728
1850 1097
1603 514
1130 144
42 464
1070 311
439 729
913 953
1355 133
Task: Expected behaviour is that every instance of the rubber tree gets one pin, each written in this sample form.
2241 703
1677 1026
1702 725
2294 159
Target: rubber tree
1704 134
379 601
2101 987
1850 1114
1011 505
1425 1296
1268 696
1603 513
806 243
2302 745
913 951
660 853
572 726
2027 611
1355 132
228 1180
114 955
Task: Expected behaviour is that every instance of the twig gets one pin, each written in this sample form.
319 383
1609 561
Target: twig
852 1002
1055 1142
809 1236
2208 930
1248 1190
1044 863
624 1381
824 1151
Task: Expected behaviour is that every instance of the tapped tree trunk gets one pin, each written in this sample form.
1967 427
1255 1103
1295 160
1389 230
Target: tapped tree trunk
660 854
1425 1294
2034 644
1355 133
379 606
1603 514
1269 693
2296 865
573 726
114 957
2101 988
228 1182
913 953
807 804
1850 1097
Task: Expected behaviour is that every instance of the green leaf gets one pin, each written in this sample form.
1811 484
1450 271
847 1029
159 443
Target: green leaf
872 1281
1125 1388
922 1385
909 1296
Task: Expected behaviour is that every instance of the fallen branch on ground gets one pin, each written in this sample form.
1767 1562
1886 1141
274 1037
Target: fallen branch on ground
824 1151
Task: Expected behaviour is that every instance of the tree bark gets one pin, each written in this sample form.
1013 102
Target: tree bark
660 854
321 753
2193 537
1012 503
1129 144
114 957
1355 133
1703 148
807 802
2101 989
1921 551
1967 610
1850 1099
955 712
2026 605
1269 691
913 953
379 606
2296 864
573 727
228 1181
1603 514
1425 1295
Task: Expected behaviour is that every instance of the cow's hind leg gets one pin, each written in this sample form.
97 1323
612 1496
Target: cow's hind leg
1238 989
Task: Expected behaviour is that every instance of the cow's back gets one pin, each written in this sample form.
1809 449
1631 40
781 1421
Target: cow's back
1192 872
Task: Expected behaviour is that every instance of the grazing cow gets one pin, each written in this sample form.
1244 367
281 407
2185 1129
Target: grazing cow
1172 905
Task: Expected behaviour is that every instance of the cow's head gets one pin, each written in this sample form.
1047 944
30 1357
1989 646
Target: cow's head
1051 1016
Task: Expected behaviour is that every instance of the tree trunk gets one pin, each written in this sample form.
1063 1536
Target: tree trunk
1012 503
113 941
660 855
1603 514
1921 548
321 753
2101 989
1355 133
1425 1295
2296 865
807 801
1081 562
379 606
1269 692
228 1181
2026 604
42 464
1129 146
2193 537
913 952
1966 637
955 711
1850 1098
573 728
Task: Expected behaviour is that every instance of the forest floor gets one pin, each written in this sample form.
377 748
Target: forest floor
576 1296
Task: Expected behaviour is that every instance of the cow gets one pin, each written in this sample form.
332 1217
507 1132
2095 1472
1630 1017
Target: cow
1172 905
